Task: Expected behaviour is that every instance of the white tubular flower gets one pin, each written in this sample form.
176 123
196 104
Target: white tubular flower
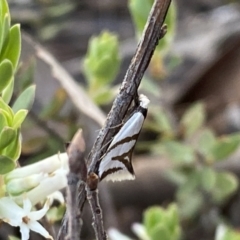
24 218
47 186
38 180
18 185
140 231
48 165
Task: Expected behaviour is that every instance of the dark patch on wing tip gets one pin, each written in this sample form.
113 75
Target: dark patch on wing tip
143 111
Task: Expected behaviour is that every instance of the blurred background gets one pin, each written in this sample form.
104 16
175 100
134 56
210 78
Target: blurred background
189 151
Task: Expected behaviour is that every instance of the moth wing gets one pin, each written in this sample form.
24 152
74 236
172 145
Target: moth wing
131 127
120 175
116 164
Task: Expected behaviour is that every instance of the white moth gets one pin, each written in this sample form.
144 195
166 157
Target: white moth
116 164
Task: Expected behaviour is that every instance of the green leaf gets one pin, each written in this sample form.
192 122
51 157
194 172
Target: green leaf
140 9
162 222
172 219
192 119
4 30
13 49
160 232
7 135
5 107
176 234
102 61
6 73
152 217
7 111
7 120
3 118
4 9
170 20
179 153
189 199
176 175
8 91
225 146
13 150
6 164
208 177
25 100
206 142
187 189
226 185
190 206
19 118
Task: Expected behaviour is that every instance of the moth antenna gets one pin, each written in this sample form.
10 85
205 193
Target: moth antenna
116 126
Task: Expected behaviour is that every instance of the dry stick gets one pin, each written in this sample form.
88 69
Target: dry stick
93 199
72 224
154 30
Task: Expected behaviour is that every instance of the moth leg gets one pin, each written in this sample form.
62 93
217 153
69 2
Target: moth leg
117 126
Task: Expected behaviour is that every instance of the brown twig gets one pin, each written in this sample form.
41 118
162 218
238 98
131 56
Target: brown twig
93 199
76 195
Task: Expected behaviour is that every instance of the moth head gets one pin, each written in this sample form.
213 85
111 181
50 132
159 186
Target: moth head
144 101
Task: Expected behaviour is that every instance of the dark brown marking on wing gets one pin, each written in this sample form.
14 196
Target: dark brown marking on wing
124 140
110 171
125 158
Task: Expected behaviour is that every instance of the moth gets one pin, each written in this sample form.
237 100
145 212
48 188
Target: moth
116 164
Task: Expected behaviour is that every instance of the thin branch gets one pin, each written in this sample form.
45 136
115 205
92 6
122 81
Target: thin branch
154 30
76 195
93 199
